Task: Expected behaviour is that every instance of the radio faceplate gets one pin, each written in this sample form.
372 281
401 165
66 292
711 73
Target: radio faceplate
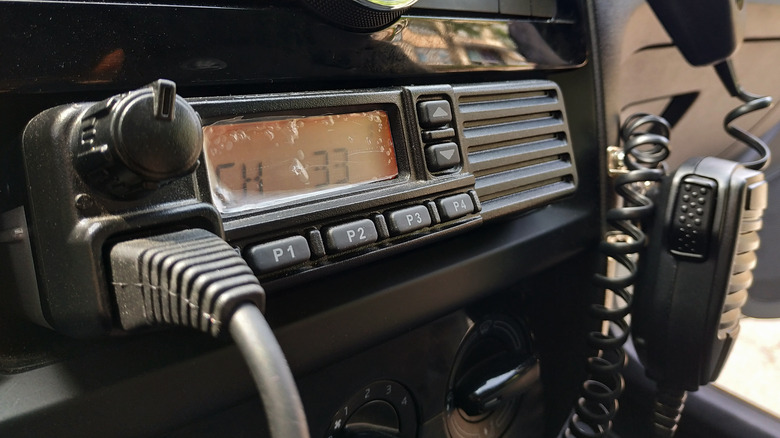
504 145
415 186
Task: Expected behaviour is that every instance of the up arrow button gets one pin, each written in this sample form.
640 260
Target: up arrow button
440 112
434 113
442 156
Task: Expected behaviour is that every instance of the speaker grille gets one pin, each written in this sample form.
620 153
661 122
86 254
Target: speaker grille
517 144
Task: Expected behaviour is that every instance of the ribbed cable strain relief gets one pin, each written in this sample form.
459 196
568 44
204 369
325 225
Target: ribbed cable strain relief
667 410
189 278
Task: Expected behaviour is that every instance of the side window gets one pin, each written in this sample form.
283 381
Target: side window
753 369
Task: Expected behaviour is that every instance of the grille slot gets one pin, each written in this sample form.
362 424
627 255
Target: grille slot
517 144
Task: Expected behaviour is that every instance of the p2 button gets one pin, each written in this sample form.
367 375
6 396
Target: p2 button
350 235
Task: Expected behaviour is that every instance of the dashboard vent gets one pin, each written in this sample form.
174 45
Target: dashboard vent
517 144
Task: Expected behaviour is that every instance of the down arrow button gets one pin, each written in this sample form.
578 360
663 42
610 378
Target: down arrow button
442 156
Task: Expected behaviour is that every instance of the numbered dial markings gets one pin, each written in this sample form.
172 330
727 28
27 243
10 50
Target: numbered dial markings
383 405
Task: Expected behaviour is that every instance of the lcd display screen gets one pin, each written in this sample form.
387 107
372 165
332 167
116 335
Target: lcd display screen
253 163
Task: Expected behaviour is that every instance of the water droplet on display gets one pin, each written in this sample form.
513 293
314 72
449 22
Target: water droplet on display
300 171
368 140
301 155
381 148
379 141
330 121
387 152
350 139
269 134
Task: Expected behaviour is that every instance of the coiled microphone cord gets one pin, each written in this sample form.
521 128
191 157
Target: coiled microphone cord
753 102
645 146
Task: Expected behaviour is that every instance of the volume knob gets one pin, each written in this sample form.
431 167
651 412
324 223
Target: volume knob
135 142
360 15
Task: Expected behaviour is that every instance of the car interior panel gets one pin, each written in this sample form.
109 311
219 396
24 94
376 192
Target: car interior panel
385 218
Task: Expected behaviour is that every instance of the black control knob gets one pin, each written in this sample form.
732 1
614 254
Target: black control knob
360 15
132 143
495 382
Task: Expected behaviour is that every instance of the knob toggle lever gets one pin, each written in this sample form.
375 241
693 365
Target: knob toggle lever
131 144
480 396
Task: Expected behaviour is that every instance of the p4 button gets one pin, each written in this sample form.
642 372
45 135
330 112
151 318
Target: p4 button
453 207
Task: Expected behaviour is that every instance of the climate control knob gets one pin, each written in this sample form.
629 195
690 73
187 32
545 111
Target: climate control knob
132 143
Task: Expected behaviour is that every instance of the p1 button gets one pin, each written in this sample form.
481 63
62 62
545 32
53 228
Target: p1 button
279 254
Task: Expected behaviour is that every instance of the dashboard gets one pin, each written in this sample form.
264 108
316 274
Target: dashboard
421 195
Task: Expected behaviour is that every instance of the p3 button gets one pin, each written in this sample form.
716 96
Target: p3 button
409 219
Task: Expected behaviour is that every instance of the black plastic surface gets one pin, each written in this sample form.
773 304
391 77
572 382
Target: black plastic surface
210 45
705 31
